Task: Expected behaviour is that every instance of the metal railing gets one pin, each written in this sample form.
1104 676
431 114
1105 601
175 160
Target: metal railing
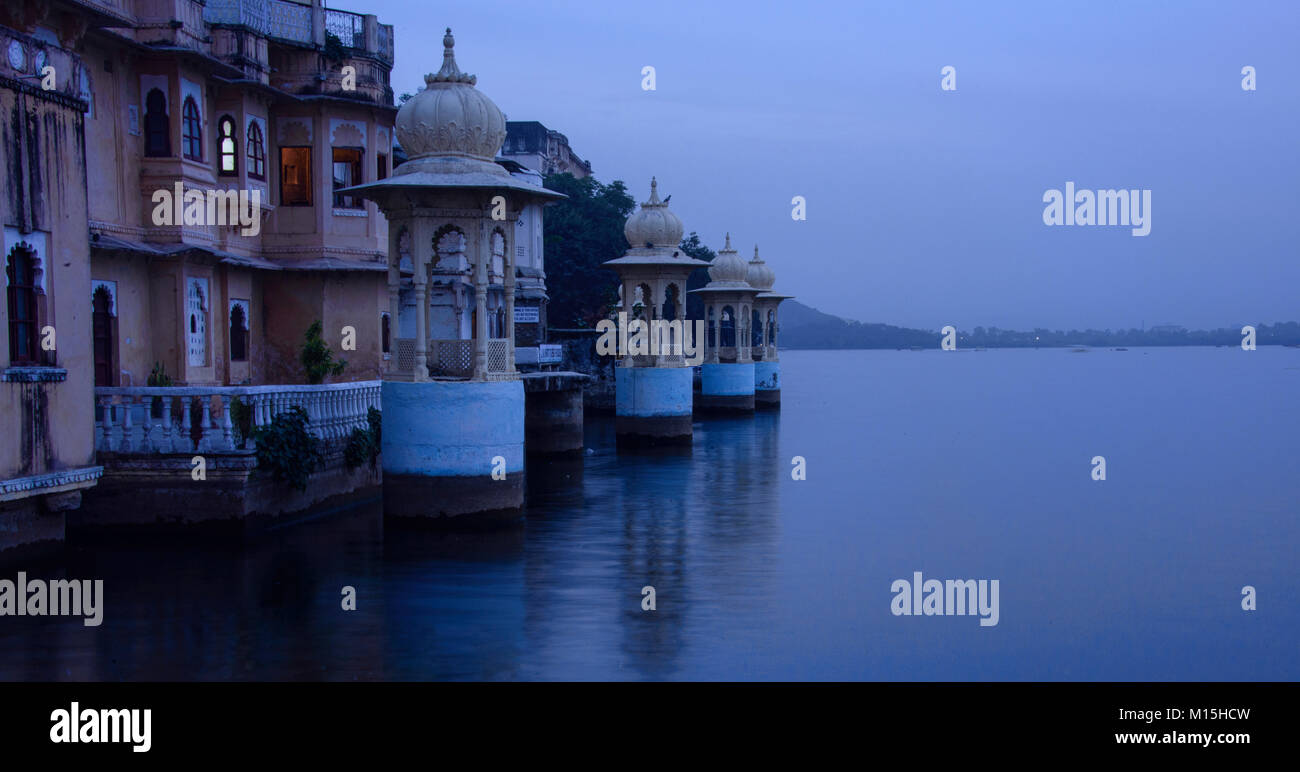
348 27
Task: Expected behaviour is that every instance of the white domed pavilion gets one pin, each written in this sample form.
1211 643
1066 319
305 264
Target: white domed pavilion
727 376
653 383
452 397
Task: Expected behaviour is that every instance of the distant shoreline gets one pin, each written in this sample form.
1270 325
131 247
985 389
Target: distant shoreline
935 347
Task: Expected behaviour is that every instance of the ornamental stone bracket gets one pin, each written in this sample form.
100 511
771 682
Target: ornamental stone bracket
62 481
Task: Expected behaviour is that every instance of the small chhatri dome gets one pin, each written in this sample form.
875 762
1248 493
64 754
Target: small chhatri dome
653 226
449 117
728 268
760 276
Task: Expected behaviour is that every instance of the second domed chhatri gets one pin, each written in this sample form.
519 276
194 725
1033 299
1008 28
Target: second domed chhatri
727 375
654 225
653 389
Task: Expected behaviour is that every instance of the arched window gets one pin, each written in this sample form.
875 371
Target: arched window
197 306
238 331
191 130
256 152
23 303
227 147
104 332
756 329
671 299
728 327
385 333
157 134
347 172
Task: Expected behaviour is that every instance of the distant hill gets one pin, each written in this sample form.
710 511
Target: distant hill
805 327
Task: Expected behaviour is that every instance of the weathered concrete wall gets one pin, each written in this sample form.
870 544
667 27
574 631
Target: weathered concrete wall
159 490
553 421
47 424
26 526
726 387
767 384
440 439
580 356
735 379
653 391
654 405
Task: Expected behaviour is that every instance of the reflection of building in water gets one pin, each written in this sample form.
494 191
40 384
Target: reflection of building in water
653 390
727 376
767 367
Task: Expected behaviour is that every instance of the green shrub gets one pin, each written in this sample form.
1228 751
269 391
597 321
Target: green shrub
241 421
317 359
364 444
287 450
158 377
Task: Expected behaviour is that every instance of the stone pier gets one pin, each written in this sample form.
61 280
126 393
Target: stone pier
553 412
767 385
726 388
453 451
654 405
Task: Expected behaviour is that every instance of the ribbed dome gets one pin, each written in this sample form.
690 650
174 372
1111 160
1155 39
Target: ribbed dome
760 276
728 268
450 117
653 223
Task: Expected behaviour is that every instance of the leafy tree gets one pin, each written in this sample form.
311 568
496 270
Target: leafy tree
580 233
317 359
692 246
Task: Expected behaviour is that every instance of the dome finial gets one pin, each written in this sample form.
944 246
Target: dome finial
654 194
760 275
653 225
728 246
450 73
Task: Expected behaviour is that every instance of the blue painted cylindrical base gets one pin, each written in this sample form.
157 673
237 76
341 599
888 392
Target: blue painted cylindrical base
653 404
727 387
767 384
453 449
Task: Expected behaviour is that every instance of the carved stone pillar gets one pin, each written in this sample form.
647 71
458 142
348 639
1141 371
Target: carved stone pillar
481 257
394 290
420 259
508 265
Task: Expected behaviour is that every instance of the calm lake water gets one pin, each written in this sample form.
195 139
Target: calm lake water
965 465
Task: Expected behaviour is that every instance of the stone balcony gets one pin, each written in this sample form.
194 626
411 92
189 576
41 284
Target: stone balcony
306 24
146 438
197 419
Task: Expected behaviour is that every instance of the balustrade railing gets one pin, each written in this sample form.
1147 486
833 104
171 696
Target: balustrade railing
280 19
453 358
348 27
196 419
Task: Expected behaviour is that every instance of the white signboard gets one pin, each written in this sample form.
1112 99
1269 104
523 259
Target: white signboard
526 315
